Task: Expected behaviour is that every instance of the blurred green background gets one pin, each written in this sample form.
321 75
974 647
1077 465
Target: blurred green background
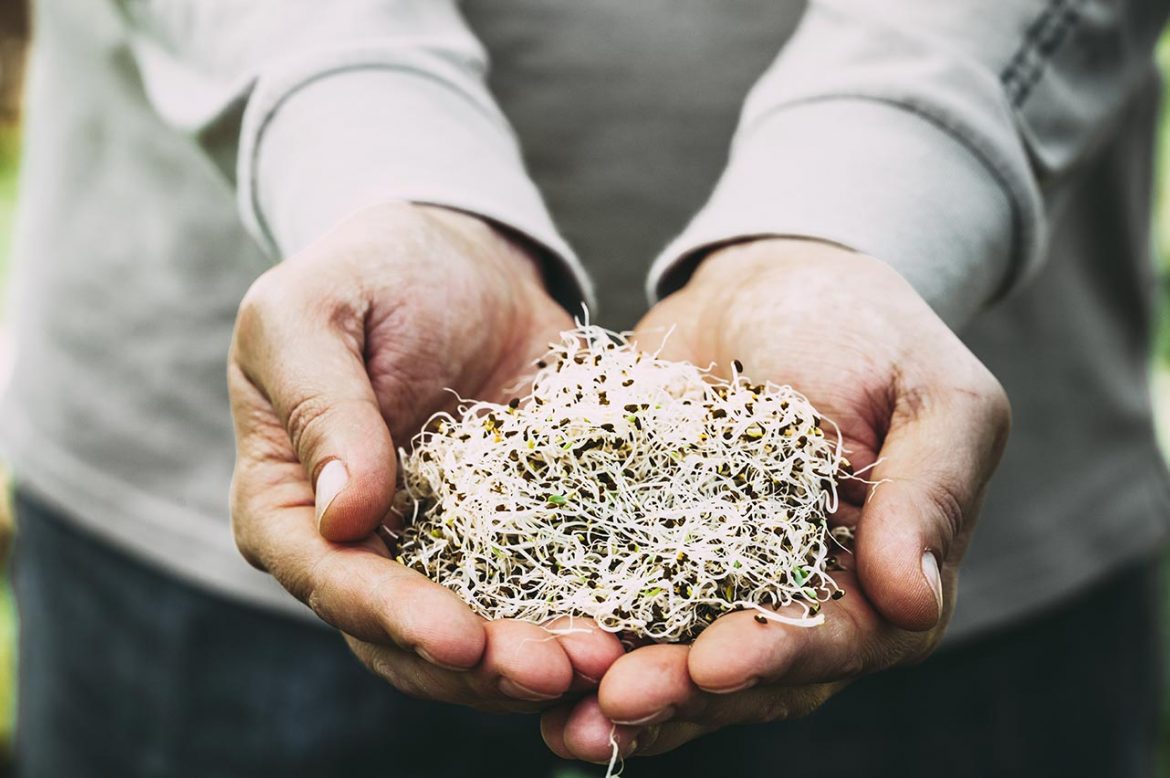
9 151
8 160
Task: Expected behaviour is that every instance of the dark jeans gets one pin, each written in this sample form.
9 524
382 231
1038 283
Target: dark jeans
128 672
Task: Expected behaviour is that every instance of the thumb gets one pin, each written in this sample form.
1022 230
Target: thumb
938 455
313 373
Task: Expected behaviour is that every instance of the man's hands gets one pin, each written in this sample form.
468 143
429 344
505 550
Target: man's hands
343 351
852 335
350 346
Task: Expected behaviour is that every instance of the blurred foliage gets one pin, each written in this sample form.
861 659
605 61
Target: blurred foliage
8 621
8 159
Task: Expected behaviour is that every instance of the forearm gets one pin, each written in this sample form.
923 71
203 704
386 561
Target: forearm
932 136
313 111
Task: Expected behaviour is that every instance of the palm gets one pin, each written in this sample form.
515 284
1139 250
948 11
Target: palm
908 400
342 353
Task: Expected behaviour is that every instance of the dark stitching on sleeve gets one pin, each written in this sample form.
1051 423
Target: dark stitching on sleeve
1041 40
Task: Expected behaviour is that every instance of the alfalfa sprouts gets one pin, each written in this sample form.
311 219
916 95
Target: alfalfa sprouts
649 495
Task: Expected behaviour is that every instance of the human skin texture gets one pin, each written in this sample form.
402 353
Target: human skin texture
342 352
910 400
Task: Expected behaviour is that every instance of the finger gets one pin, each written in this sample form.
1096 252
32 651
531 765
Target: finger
356 588
305 355
649 691
647 686
662 738
415 677
530 663
941 449
552 730
590 649
590 736
737 652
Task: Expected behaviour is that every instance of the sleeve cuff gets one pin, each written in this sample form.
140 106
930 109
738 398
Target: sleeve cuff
362 134
875 176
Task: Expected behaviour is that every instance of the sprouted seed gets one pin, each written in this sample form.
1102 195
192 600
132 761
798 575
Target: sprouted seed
649 495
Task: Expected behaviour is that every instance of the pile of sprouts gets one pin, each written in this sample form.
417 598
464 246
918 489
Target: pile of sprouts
646 494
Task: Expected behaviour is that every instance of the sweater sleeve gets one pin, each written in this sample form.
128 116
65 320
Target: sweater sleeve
932 135
314 109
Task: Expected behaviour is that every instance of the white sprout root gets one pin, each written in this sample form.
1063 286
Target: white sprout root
646 494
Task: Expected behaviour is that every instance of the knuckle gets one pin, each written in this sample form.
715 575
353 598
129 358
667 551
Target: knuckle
979 387
917 650
315 586
258 302
406 683
999 413
996 406
383 665
240 528
950 506
775 708
249 556
810 700
266 289
298 579
852 665
308 416
296 582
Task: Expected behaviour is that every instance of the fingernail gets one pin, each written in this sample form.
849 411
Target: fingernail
329 484
516 691
654 718
930 571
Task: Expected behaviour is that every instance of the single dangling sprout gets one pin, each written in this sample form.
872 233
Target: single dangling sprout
649 495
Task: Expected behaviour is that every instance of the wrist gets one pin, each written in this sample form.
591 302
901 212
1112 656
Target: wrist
482 235
436 235
796 261
766 255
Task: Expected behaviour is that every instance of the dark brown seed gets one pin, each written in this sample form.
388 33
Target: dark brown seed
739 369
761 618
